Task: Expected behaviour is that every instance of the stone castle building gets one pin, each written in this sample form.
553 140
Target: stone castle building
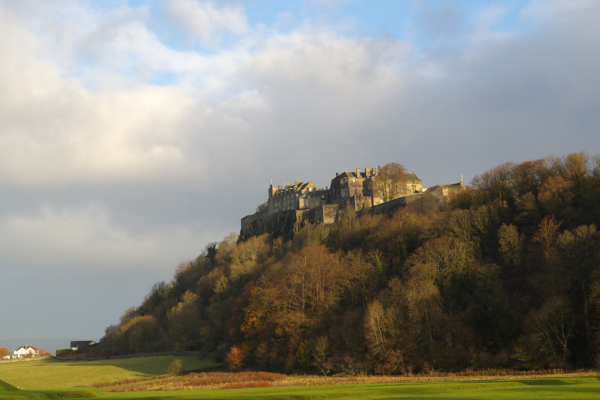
355 189
296 196
290 205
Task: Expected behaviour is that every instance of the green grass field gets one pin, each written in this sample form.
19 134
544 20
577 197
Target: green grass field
50 373
53 380
545 388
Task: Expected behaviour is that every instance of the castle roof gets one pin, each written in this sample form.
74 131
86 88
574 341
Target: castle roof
412 176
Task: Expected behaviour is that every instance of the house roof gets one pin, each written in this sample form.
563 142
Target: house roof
78 343
26 347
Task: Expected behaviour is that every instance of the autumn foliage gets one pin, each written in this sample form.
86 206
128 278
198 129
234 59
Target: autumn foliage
506 277
235 358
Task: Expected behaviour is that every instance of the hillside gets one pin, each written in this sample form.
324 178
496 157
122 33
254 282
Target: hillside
506 276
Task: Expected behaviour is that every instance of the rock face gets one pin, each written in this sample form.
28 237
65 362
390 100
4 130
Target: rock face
285 224
280 224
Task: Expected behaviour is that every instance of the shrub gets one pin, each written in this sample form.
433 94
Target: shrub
176 367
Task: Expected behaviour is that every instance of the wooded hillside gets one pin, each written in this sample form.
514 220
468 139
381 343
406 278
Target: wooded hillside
507 276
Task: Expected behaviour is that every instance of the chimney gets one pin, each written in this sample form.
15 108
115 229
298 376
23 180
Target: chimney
379 168
337 174
357 172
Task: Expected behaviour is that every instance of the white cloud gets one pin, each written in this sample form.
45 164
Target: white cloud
98 163
55 130
202 20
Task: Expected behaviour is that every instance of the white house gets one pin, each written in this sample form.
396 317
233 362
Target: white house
26 351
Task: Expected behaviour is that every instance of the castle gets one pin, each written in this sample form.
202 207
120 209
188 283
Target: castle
355 189
293 204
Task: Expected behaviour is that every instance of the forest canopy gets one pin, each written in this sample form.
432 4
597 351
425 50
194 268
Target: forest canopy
508 275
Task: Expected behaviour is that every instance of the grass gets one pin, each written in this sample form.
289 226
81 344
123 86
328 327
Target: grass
213 380
543 388
50 373
54 380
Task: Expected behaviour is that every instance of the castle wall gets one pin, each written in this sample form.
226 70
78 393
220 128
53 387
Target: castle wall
323 214
434 198
328 213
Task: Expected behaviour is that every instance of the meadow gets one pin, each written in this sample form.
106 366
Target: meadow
544 388
146 378
51 373
52 379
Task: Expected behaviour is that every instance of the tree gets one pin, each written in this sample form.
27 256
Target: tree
511 245
141 331
495 183
579 252
376 328
546 235
262 208
390 182
235 359
4 352
556 194
313 280
176 367
423 298
184 317
551 331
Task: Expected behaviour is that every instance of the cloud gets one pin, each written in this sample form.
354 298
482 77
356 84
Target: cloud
202 21
555 11
100 166
85 240
444 20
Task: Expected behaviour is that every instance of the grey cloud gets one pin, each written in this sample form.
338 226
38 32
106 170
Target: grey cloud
174 168
440 21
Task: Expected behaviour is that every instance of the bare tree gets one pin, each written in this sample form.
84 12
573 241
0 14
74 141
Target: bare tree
552 331
262 208
390 182
376 327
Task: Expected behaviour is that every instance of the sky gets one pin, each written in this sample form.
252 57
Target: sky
133 133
